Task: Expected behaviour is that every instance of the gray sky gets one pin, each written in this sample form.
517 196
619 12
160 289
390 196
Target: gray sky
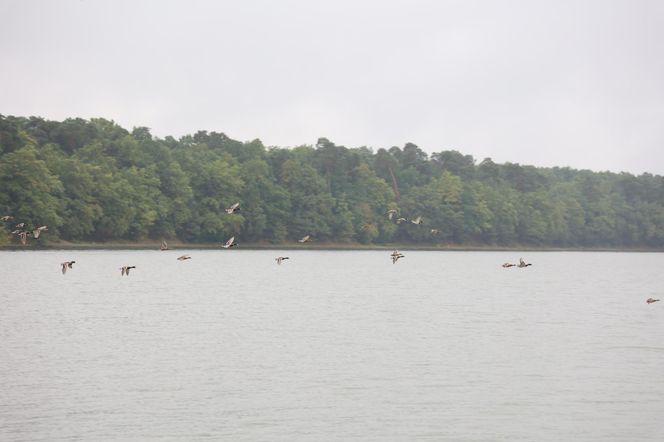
566 83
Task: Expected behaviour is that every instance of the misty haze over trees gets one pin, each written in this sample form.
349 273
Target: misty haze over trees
95 181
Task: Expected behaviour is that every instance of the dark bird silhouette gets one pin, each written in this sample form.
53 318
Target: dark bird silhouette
281 258
184 257
396 255
651 300
508 265
125 269
67 265
522 263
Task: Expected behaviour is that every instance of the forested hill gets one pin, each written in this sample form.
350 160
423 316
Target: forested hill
93 180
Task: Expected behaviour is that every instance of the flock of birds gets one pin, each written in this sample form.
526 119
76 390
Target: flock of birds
23 232
521 264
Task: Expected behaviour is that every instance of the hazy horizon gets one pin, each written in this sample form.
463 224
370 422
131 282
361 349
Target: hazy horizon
567 84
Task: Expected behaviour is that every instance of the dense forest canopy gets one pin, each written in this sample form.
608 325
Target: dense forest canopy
92 180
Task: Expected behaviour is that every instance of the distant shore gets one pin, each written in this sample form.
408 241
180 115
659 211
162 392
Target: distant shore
154 245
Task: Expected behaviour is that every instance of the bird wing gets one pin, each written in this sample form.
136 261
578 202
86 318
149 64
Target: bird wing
230 242
64 267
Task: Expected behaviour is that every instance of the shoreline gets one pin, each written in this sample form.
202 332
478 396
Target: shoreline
316 246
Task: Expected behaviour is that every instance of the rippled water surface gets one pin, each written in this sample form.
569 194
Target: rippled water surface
331 346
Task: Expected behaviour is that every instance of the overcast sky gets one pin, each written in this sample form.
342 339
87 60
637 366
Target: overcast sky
566 83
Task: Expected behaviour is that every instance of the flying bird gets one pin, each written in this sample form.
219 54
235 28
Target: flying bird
391 213
400 220
651 300
125 269
230 243
508 264
20 225
281 258
163 246
234 208
23 236
522 263
306 238
7 218
184 257
395 256
67 265
38 231
417 220
435 231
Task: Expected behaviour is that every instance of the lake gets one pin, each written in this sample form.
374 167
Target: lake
331 346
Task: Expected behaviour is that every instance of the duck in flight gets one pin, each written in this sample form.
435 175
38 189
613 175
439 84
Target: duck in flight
396 255
391 213
67 265
522 263
651 300
22 235
163 246
184 257
234 208
281 258
38 231
7 218
230 243
508 265
125 269
306 238
417 220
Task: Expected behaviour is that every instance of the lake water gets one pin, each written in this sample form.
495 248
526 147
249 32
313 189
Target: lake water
331 346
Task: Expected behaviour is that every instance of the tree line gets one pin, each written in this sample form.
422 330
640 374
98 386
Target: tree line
92 180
